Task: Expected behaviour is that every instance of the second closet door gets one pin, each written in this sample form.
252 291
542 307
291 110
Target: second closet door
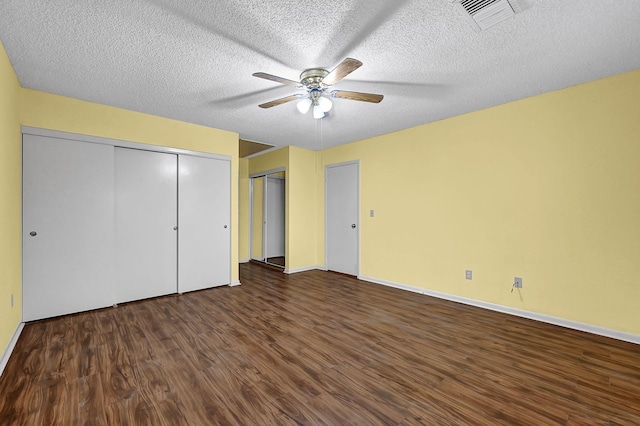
146 185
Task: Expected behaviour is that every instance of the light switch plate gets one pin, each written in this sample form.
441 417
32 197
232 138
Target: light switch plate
468 274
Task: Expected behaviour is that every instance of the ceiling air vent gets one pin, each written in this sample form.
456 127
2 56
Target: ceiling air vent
483 14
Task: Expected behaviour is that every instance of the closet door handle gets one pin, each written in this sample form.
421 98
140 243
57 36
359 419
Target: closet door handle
175 228
353 225
225 227
33 233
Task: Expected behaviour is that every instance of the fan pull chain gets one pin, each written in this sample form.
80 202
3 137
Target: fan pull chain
315 133
321 135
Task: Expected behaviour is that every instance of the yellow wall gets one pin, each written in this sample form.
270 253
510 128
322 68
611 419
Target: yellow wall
243 209
272 160
257 219
47 111
546 188
302 209
10 203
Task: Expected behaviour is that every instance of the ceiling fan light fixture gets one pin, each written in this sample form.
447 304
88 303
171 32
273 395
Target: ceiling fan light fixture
325 104
304 105
316 81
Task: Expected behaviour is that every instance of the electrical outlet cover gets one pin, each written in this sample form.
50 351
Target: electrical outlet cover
517 282
468 274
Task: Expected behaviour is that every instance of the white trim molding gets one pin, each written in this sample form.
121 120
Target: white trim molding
36 131
575 325
10 347
234 283
303 269
267 172
266 151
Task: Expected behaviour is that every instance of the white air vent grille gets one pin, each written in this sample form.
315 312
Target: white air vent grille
472 6
483 14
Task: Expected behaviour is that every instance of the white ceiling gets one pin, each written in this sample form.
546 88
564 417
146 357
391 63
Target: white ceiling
193 61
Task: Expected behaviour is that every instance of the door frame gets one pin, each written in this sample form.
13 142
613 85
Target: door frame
264 174
251 210
265 229
326 167
27 130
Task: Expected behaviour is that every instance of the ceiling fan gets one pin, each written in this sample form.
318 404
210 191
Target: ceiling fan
317 83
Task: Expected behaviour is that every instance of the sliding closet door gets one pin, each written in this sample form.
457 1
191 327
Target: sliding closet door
204 234
146 185
67 226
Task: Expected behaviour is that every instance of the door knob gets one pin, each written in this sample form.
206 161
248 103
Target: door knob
175 228
353 225
225 227
33 233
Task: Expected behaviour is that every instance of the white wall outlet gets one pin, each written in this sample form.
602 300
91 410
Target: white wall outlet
517 283
468 274
371 213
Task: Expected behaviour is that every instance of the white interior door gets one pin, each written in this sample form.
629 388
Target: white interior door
146 213
275 222
204 234
341 186
68 241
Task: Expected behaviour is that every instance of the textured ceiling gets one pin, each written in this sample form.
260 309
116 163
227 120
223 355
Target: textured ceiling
193 61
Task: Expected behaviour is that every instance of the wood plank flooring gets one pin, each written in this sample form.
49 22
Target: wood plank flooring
314 348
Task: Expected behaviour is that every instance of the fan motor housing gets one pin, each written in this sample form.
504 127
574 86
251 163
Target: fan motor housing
312 77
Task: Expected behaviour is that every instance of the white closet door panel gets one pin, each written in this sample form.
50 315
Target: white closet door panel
204 234
275 221
68 206
342 218
146 185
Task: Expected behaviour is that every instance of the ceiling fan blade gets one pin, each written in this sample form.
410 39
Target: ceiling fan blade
343 69
357 96
279 101
277 79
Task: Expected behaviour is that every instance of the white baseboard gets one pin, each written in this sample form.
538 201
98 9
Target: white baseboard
593 329
234 283
244 261
12 344
303 269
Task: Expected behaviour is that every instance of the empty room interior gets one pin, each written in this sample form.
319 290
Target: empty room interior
341 212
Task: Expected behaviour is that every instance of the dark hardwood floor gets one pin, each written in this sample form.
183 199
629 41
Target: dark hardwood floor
314 348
